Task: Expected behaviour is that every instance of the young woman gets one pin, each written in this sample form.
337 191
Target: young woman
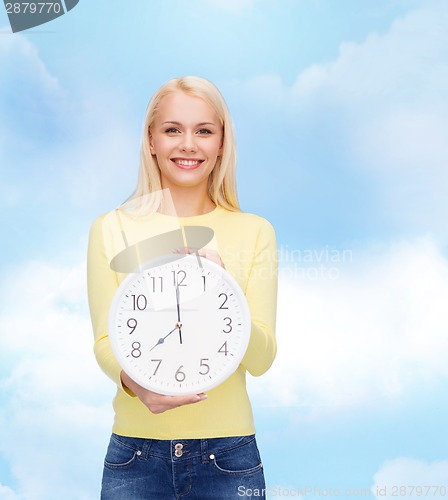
200 446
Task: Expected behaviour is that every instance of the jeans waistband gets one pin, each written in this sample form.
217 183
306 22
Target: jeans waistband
182 449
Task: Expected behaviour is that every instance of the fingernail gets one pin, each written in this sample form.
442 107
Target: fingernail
201 398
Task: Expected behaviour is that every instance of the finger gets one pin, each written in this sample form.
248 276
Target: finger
175 401
212 255
185 400
160 403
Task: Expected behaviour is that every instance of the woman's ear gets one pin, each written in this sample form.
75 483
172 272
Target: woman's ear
151 143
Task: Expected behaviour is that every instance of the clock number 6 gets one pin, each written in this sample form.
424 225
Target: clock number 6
180 375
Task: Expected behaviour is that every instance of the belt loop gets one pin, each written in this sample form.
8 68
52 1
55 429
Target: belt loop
147 443
204 451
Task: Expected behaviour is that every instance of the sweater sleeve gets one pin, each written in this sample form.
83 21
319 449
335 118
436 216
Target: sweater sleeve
102 283
261 294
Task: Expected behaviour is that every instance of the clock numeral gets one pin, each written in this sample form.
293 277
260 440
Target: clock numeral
228 324
139 302
159 362
154 284
203 282
205 366
132 324
223 306
223 349
180 375
179 277
136 353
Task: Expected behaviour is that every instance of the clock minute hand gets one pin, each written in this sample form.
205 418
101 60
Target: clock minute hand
162 339
178 313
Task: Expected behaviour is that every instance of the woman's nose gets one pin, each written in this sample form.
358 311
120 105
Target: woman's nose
188 142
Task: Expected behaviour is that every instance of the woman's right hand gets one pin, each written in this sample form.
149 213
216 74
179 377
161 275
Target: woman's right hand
158 403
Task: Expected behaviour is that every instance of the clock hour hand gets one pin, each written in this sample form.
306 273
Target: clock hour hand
162 339
178 314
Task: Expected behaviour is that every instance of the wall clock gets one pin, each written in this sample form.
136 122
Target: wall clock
179 326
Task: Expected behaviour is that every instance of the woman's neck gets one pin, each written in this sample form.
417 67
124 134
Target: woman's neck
187 203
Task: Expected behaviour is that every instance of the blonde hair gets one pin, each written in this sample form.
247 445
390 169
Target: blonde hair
222 180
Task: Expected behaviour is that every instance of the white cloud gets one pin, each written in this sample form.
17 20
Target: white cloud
410 478
359 332
380 107
60 145
20 60
7 493
56 404
385 70
30 96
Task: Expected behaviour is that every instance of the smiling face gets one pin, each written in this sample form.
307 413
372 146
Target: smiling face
186 139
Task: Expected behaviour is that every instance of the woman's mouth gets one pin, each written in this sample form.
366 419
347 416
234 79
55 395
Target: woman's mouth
187 164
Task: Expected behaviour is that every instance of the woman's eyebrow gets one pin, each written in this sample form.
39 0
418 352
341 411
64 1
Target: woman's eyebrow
180 124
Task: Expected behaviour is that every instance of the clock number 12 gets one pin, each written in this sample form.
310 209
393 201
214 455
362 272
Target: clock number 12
179 277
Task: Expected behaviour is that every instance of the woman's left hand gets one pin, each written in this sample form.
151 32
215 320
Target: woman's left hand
206 253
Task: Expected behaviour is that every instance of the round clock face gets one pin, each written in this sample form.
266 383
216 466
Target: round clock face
179 326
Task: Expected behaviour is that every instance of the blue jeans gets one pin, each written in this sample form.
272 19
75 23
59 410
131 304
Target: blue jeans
194 469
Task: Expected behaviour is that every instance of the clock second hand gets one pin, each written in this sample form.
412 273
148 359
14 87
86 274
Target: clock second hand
162 339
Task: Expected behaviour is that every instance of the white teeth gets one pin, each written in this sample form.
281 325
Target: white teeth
187 163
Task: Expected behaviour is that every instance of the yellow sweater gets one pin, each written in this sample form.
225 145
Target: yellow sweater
246 244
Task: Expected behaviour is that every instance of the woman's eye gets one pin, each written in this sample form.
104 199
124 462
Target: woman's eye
204 131
171 130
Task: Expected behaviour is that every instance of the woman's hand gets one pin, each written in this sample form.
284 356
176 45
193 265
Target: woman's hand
158 403
206 253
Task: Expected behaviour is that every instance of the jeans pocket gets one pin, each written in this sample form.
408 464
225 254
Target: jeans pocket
239 461
121 453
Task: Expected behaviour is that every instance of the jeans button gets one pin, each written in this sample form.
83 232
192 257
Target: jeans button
178 446
178 453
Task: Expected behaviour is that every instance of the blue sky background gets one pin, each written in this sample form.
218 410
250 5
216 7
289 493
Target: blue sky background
340 109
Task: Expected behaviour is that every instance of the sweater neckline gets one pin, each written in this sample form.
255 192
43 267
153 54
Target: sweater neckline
194 218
